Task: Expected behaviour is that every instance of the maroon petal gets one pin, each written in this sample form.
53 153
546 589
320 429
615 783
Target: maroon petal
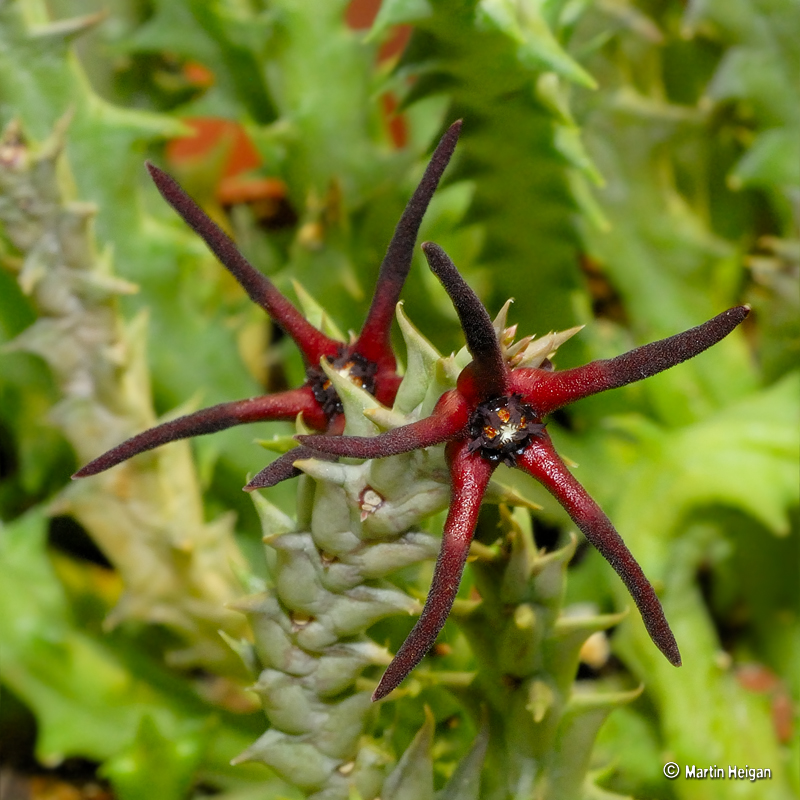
469 474
374 342
542 462
448 419
387 382
312 343
286 405
283 468
547 391
489 370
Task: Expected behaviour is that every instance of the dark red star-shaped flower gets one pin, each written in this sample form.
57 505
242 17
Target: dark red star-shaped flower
368 361
495 415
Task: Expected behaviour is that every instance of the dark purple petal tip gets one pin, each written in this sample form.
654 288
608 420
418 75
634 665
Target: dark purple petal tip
313 344
283 468
374 338
490 370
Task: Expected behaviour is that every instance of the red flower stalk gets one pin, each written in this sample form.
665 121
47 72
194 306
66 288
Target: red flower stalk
495 415
368 361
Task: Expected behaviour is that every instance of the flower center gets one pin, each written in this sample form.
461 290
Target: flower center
353 366
502 428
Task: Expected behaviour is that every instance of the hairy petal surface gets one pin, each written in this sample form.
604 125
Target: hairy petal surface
542 462
283 468
313 344
470 475
548 391
282 406
374 342
489 369
448 419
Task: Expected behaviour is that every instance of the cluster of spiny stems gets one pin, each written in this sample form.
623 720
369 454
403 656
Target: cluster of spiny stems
357 523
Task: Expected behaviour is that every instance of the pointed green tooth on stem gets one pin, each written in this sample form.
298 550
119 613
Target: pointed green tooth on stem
562 651
355 402
386 496
412 777
325 620
359 608
519 642
408 487
501 320
329 471
331 520
66 29
273 635
245 650
306 490
342 663
381 559
385 419
316 314
515 586
421 358
295 760
465 782
550 575
273 521
278 444
300 425
341 573
297 585
499 493
571 751
339 732
541 699
445 375
287 704
544 347
332 572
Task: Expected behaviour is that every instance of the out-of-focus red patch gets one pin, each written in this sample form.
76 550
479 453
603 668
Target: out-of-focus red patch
756 678
360 15
198 74
783 716
234 189
395 122
209 133
395 44
267 197
762 680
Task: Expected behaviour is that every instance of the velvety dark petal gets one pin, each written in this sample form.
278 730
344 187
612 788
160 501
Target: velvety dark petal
312 343
489 370
470 475
547 391
542 462
282 468
374 342
286 406
448 419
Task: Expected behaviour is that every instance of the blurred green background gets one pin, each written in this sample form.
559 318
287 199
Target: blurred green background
630 166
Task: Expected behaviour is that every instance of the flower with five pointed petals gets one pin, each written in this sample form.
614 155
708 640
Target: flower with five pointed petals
368 360
495 415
